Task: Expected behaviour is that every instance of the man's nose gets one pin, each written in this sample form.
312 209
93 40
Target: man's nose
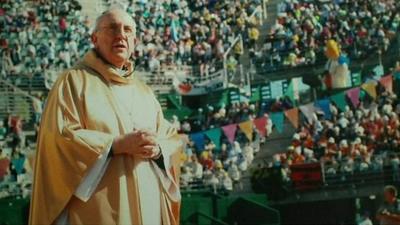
119 31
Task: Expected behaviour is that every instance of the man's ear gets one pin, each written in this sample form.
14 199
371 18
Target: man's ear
93 38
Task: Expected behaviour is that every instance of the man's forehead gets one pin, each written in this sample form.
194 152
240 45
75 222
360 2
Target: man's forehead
117 17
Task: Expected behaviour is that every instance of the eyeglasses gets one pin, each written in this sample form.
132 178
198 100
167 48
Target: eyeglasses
129 31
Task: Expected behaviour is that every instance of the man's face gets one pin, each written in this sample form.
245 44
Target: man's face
388 196
114 37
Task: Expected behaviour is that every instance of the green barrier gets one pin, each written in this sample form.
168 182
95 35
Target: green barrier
194 203
206 209
248 211
198 208
204 219
14 211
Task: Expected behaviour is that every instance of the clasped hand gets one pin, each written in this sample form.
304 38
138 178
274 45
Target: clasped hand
138 143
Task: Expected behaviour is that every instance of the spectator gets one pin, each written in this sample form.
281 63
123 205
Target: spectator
389 212
365 220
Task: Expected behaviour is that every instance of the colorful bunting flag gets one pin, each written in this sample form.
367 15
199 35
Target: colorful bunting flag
324 105
290 92
215 136
277 119
230 131
247 128
293 116
387 82
354 96
370 88
308 111
198 139
362 94
340 100
260 124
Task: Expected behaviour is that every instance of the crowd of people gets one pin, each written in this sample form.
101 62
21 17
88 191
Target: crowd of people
223 167
354 141
36 41
220 167
39 39
15 158
302 29
46 37
194 33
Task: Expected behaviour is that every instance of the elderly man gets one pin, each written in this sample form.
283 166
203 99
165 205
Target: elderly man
105 153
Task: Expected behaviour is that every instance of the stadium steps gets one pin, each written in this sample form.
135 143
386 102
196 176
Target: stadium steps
272 15
28 84
272 9
15 101
275 143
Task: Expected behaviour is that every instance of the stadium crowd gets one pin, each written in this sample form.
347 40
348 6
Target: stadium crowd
219 167
196 33
38 38
15 158
354 141
41 38
302 29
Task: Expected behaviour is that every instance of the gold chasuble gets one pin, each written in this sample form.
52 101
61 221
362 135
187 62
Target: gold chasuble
81 119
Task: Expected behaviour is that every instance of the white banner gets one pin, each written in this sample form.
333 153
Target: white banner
199 85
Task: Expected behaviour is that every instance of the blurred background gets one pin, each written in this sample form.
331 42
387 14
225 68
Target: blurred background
291 106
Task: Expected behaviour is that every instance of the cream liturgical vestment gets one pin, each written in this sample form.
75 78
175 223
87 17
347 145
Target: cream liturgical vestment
88 106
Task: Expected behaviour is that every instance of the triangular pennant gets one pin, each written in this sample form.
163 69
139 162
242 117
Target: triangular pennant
293 116
340 100
370 88
277 119
362 94
215 136
260 124
308 111
324 105
230 131
354 96
198 139
290 92
387 82
247 128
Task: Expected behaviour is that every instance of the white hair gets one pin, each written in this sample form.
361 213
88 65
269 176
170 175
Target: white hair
106 13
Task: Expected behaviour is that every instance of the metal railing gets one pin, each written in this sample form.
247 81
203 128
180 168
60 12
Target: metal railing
15 101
